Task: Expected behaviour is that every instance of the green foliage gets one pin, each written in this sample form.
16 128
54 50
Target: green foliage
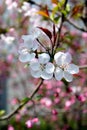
26 99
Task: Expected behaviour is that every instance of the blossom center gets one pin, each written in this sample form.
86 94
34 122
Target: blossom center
42 67
63 67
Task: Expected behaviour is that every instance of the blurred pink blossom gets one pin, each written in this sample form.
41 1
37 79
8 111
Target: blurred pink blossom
31 122
10 127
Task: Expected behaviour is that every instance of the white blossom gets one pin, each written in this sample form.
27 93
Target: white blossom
64 68
8 45
26 50
42 67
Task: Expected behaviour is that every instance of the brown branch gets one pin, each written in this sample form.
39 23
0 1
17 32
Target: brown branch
33 3
83 67
6 117
60 28
75 26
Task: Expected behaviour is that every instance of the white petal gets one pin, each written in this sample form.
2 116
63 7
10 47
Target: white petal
58 55
25 37
35 45
36 74
32 56
44 58
68 77
28 41
58 58
72 69
49 68
66 58
25 57
22 50
58 73
35 32
34 65
46 76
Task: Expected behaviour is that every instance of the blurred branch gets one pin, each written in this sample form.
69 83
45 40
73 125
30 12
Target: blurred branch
33 3
83 67
23 103
75 26
3 31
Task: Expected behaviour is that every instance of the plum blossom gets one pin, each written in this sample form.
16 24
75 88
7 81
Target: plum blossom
64 68
30 45
42 67
26 50
31 122
40 64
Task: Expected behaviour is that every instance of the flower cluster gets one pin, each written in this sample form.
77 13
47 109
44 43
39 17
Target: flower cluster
41 63
8 48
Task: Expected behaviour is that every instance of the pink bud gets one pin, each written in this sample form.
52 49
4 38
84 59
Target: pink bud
54 112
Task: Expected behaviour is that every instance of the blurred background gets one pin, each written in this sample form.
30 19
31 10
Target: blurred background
58 105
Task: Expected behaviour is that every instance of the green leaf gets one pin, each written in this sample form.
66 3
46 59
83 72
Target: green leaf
57 19
26 99
64 12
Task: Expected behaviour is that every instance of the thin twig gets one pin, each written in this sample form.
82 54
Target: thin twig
75 26
83 67
60 28
6 117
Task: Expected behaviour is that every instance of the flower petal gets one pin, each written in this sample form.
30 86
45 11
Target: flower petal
72 69
34 65
68 77
49 68
28 41
46 76
35 32
44 58
35 45
57 58
36 74
66 58
22 50
26 57
58 73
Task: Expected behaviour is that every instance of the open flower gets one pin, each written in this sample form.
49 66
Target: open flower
64 67
42 67
27 49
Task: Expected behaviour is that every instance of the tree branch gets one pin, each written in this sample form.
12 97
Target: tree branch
22 103
59 31
75 26
83 67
